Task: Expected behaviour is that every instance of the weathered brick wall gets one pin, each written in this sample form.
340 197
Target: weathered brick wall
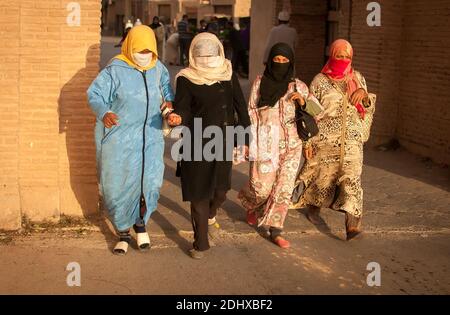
377 57
424 111
406 65
9 118
47 164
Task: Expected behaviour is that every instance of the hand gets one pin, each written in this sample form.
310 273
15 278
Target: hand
246 152
309 152
241 154
174 120
167 105
297 97
358 96
110 119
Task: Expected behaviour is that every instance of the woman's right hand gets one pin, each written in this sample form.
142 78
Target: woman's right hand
308 153
174 120
110 119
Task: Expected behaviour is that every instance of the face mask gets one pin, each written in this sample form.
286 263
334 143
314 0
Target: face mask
142 60
280 70
209 62
338 66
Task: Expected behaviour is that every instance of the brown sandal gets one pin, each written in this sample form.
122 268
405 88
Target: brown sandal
352 226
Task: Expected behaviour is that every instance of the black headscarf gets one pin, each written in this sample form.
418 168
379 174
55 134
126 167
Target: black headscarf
154 25
277 76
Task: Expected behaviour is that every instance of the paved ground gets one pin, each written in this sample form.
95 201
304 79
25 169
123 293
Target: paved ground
407 224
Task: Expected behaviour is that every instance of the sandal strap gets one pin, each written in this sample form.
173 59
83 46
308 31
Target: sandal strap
142 239
121 246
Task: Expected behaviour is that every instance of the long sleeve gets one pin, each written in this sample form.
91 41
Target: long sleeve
183 100
312 105
101 93
239 103
370 104
166 88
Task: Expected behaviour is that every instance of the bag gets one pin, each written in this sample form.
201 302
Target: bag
306 124
368 118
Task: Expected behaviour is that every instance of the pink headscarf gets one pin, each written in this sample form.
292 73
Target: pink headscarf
340 70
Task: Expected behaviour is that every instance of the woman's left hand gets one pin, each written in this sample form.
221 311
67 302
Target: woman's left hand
167 104
358 96
297 97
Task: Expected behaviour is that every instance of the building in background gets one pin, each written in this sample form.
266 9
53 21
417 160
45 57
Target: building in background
115 13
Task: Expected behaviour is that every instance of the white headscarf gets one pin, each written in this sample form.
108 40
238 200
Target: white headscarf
207 44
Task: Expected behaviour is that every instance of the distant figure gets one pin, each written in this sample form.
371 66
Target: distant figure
282 33
160 34
172 49
245 38
138 22
185 38
213 26
238 51
203 26
128 27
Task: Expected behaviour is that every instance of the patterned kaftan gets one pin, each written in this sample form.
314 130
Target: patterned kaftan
321 174
276 150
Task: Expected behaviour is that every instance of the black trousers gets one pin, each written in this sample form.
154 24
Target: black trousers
201 211
240 61
185 44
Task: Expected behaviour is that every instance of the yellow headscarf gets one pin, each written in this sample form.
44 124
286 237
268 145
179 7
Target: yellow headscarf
139 38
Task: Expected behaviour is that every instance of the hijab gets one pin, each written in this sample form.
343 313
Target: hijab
154 25
277 76
207 45
139 38
342 70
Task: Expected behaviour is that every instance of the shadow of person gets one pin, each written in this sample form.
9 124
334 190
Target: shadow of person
173 205
321 226
78 180
171 232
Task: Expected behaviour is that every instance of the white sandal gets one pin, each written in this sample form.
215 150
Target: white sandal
121 248
143 241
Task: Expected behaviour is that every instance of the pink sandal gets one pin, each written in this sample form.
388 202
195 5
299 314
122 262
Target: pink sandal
281 242
251 218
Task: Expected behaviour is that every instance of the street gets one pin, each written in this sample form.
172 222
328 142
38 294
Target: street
406 224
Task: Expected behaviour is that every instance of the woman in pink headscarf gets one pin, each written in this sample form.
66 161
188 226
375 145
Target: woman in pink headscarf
331 176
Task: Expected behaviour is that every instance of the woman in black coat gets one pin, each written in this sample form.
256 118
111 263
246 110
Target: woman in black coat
207 95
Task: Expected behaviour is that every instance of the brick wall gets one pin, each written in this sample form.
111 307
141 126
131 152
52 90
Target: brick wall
47 158
424 111
377 56
406 65
9 119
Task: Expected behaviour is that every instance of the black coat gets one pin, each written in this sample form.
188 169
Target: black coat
216 105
